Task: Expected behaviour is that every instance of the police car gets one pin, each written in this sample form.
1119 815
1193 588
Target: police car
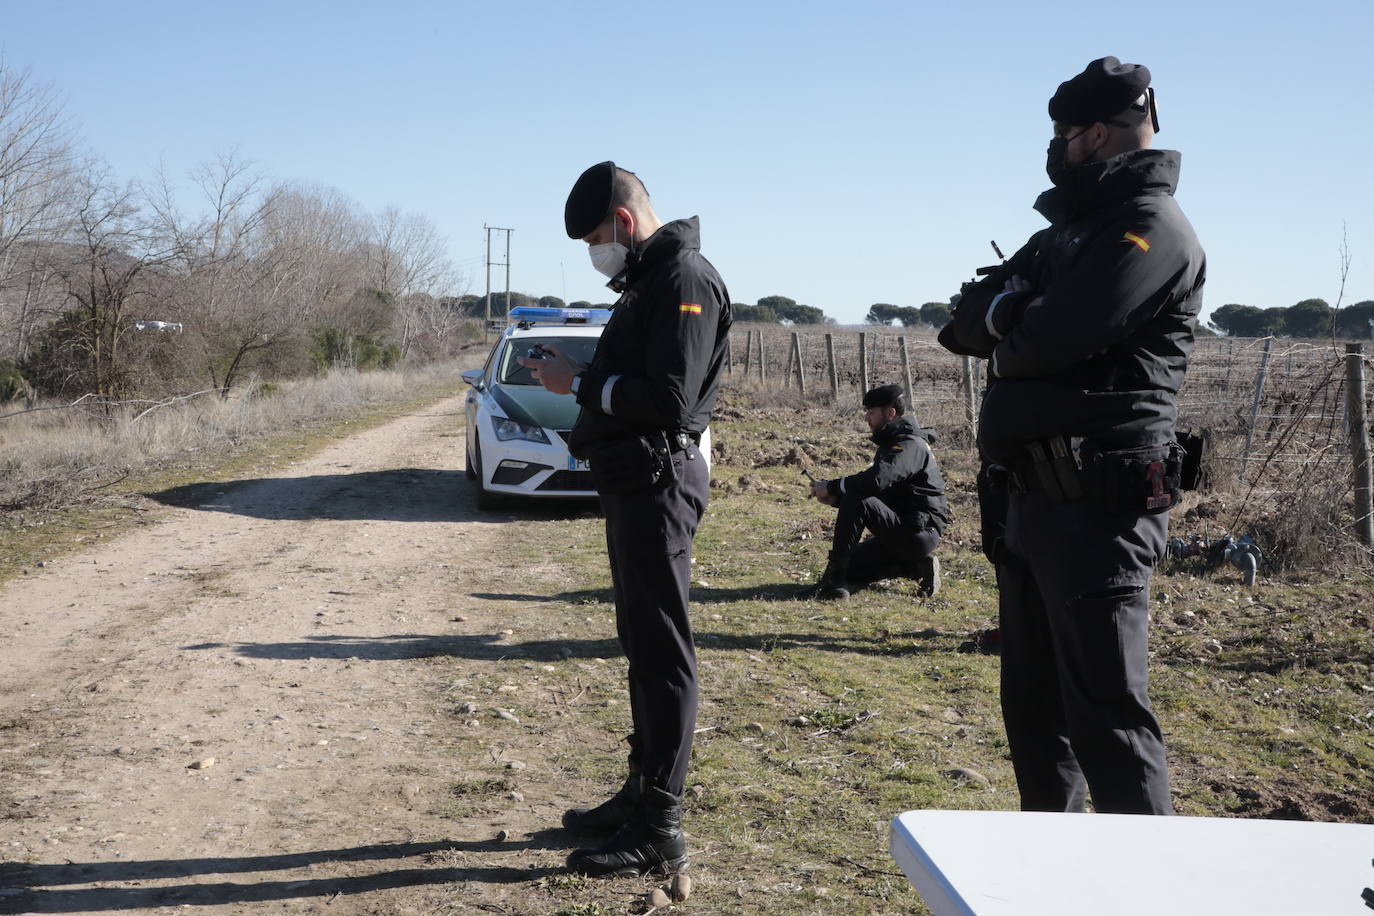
516 430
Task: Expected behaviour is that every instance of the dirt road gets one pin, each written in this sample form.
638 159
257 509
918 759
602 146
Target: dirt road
235 709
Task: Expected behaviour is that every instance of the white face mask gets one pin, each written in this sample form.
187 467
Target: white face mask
608 258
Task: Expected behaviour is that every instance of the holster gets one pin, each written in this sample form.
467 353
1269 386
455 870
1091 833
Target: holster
1138 484
1193 450
994 498
632 463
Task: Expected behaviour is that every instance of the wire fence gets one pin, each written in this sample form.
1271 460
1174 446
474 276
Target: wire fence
1277 414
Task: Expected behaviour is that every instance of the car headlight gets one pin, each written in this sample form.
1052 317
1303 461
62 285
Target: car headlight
508 429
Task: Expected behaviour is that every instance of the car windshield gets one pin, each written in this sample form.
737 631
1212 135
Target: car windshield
509 372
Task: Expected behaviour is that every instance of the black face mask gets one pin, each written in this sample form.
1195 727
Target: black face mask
1057 161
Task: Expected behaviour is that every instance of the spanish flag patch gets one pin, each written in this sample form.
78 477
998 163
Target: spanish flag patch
691 308
1138 241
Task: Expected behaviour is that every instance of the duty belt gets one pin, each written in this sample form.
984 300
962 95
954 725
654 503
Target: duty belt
1055 468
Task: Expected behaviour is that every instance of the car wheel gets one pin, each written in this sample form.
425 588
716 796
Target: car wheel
485 498
471 471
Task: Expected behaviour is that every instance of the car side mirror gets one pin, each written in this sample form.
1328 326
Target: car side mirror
474 378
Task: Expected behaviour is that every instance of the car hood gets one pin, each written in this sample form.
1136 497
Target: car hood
536 406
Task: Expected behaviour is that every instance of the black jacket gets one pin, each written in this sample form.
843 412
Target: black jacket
1103 354
665 340
904 475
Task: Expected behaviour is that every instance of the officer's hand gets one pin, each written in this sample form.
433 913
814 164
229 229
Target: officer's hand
1016 284
820 491
555 372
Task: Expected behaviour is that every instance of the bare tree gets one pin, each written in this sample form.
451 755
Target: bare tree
101 270
407 256
304 264
37 172
215 277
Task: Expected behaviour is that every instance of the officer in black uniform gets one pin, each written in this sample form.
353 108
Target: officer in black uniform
900 499
1088 329
646 399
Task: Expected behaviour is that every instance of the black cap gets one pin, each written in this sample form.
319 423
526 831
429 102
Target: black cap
589 200
1104 89
885 396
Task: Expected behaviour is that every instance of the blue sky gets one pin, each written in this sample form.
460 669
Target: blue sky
838 154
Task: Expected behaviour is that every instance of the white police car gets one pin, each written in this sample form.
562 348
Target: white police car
516 430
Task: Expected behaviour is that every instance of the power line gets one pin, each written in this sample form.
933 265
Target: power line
490 263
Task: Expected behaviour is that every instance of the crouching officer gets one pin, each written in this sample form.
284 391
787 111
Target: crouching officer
646 398
1088 328
900 500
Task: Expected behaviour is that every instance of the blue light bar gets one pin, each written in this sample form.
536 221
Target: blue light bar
529 314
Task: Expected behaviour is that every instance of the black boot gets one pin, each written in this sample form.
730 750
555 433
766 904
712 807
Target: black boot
928 576
833 582
653 841
619 809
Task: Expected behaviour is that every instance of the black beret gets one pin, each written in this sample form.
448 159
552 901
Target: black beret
589 200
884 396
1104 89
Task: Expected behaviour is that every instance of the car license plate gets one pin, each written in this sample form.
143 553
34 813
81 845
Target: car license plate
578 464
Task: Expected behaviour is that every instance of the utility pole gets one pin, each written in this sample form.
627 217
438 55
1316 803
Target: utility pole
489 230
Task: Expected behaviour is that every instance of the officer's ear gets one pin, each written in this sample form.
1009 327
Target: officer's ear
625 224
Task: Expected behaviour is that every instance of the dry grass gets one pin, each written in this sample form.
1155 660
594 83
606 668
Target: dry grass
56 458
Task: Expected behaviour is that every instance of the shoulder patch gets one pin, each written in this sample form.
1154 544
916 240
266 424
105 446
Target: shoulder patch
1138 241
895 448
689 308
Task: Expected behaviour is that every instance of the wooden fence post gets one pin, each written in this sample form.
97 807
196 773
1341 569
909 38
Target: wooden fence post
906 370
797 354
729 356
830 365
1254 408
763 369
787 372
970 401
1359 442
748 351
863 363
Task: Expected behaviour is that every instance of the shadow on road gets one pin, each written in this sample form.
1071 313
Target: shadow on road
494 647
395 495
42 890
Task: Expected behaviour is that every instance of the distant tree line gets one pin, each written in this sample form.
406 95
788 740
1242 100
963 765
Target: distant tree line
934 314
778 309
769 309
117 288
1308 318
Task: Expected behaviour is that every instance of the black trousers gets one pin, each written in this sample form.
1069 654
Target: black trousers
893 549
649 536
1074 602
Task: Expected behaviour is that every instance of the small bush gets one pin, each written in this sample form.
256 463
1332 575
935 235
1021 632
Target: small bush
13 385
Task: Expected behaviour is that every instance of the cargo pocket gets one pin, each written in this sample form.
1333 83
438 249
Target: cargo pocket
1107 628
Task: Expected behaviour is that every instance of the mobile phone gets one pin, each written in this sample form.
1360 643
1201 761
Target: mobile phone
537 352
809 476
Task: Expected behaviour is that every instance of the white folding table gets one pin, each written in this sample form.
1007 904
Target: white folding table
1014 863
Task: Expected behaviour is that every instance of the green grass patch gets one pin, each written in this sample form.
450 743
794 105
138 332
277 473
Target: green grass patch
820 721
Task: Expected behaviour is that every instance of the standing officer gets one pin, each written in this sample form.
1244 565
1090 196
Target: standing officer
900 499
1088 328
646 399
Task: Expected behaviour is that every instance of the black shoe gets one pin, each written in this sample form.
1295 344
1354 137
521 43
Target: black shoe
833 582
613 813
652 842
